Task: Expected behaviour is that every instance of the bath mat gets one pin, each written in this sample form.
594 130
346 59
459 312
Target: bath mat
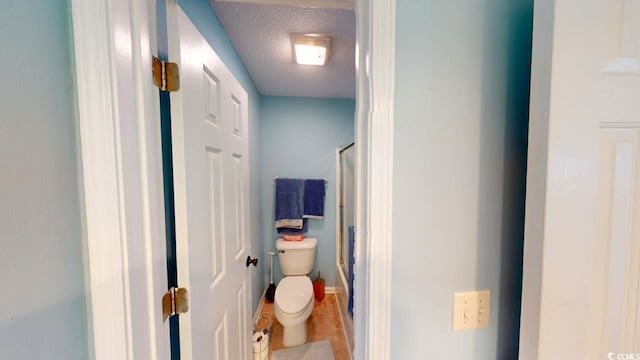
320 350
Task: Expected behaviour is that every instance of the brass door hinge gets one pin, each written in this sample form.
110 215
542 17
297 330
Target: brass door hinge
166 75
174 302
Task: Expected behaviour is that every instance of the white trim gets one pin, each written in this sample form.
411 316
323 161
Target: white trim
342 315
342 277
330 290
338 186
263 298
102 214
536 179
317 4
374 164
118 124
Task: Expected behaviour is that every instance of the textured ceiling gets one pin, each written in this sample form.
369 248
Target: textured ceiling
261 35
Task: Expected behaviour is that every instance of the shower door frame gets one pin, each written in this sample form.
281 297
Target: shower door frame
341 278
340 210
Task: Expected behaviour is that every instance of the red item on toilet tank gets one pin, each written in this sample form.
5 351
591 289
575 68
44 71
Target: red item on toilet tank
299 237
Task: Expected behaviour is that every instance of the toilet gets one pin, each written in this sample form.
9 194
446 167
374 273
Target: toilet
294 294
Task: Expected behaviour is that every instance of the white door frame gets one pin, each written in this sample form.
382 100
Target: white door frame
118 121
120 155
375 56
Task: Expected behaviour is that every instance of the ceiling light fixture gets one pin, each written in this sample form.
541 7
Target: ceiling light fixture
311 49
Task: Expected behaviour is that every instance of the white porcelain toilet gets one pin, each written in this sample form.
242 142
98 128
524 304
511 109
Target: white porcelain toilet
294 294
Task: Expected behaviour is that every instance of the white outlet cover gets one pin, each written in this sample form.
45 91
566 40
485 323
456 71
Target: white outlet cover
471 310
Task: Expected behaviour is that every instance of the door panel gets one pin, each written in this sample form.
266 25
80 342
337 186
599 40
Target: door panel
217 217
590 268
221 339
238 195
616 260
209 125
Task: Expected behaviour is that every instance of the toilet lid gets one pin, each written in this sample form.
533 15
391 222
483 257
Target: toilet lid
294 293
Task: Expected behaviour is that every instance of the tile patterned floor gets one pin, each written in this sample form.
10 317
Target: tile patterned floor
323 324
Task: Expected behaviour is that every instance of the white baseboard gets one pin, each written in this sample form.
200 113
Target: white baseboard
330 290
342 316
260 306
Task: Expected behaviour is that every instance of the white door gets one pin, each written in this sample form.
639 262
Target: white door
582 249
210 149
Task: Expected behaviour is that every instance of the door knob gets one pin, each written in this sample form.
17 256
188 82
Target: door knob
253 261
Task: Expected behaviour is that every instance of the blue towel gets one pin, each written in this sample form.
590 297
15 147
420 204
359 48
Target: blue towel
294 231
314 190
352 241
289 203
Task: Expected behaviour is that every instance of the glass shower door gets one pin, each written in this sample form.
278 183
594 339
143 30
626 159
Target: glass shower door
346 203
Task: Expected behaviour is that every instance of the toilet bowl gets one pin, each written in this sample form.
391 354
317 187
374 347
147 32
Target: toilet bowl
294 294
292 306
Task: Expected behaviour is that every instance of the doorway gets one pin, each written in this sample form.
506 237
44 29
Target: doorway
134 98
327 118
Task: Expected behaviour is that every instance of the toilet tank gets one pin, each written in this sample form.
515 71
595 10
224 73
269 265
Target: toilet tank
296 257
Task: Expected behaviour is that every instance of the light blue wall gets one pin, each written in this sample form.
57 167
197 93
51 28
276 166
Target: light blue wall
41 266
207 23
298 138
461 112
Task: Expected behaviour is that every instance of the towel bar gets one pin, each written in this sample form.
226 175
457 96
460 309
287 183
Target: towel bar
325 179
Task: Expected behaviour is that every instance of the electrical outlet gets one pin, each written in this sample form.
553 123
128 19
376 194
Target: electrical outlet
471 310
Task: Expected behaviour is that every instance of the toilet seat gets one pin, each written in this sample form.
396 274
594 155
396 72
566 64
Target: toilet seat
294 294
